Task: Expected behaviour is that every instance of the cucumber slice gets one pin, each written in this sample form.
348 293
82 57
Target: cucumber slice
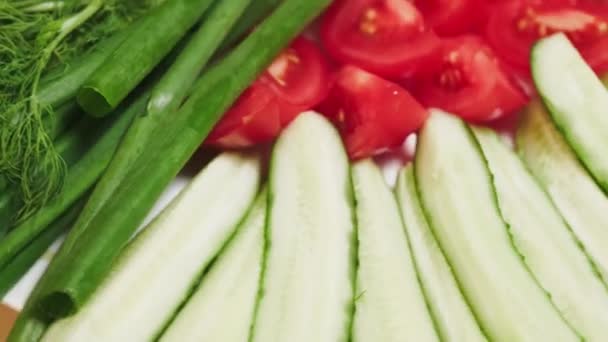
578 198
222 308
157 271
308 279
457 194
453 317
390 305
577 101
544 240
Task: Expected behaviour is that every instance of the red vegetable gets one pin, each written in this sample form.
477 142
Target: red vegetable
514 26
371 113
296 81
453 17
470 82
386 37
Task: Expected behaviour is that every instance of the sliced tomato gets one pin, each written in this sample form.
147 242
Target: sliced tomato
514 26
386 37
371 113
470 82
296 81
453 17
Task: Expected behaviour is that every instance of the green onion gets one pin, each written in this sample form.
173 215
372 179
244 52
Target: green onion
152 39
25 259
87 256
62 83
254 14
166 96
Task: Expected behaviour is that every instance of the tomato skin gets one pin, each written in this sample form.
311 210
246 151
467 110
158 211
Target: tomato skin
514 26
453 17
386 37
470 83
372 114
296 81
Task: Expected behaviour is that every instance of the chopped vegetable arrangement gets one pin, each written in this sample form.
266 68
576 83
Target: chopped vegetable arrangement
496 229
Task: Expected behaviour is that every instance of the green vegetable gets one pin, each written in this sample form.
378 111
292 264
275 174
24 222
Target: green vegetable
25 259
386 275
458 197
223 306
575 194
254 14
160 268
81 176
166 96
576 100
58 39
307 287
25 145
452 314
545 242
150 41
90 249
173 88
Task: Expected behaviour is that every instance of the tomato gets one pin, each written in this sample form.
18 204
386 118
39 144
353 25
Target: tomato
386 37
470 82
371 113
297 80
516 25
453 17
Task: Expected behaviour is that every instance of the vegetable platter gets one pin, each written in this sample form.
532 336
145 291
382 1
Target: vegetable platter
288 170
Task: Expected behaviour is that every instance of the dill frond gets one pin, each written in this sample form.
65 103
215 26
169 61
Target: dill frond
36 36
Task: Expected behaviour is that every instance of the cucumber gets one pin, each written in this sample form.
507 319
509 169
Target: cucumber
575 194
457 194
154 275
577 101
454 319
308 280
546 243
390 305
222 308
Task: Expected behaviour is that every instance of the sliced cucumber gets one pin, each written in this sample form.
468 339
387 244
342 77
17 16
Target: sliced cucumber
457 194
390 305
577 101
157 271
454 319
309 267
546 243
222 307
578 198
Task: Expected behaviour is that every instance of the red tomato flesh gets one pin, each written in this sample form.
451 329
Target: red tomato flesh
371 113
297 80
386 37
515 26
470 83
453 17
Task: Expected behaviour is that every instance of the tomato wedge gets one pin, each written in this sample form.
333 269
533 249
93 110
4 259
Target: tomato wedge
470 82
453 17
386 37
296 81
514 26
371 113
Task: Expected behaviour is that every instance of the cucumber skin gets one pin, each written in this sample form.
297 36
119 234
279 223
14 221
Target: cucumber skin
349 309
495 331
241 239
562 243
567 192
465 330
587 142
370 188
